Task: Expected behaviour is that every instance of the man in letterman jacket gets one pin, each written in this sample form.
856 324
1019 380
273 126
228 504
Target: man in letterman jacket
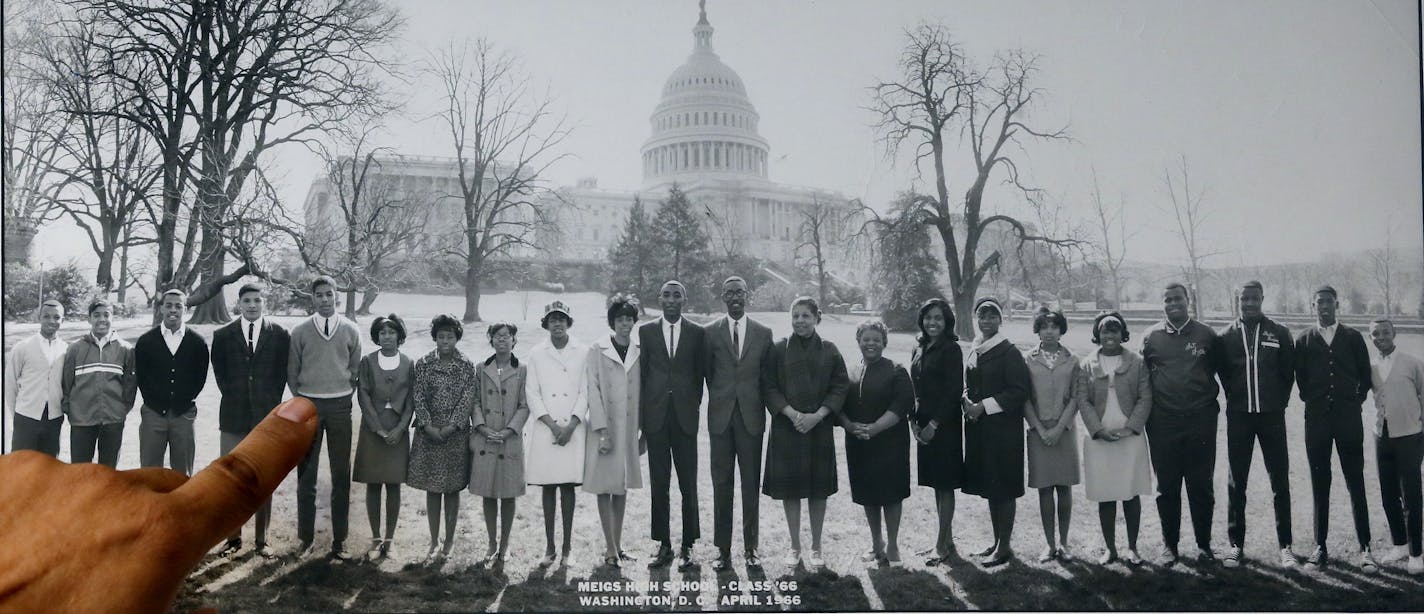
1257 374
172 364
1332 370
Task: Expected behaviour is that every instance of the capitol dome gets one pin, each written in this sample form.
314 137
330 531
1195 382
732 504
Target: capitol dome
705 124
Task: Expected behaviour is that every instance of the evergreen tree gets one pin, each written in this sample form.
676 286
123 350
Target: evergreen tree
682 248
633 262
905 269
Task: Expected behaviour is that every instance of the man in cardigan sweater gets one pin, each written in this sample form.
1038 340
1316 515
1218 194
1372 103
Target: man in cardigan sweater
250 367
1332 370
172 365
1257 372
322 366
1398 382
32 375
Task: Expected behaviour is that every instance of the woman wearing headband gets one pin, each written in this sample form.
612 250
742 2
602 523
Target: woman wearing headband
1052 451
996 387
1114 399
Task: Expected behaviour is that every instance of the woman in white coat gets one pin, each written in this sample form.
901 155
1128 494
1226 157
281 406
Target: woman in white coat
611 458
558 405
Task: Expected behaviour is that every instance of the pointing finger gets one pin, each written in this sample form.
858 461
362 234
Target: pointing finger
225 494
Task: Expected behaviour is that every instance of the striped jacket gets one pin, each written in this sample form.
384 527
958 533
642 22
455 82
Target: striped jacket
1258 366
98 383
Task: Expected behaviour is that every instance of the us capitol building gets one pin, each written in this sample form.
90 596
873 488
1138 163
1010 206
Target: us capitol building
704 139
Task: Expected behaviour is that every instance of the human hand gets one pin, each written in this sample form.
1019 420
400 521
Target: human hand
1106 435
605 443
642 444
392 437
1123 432
434 434
141 531
1051 436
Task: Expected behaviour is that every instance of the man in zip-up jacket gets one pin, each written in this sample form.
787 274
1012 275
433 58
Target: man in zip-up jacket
1258 371
172 362
1332 370
98 387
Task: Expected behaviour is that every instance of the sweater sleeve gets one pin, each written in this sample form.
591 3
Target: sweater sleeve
1362 366
353 361
200 375
294 360
13 365
1285 367
66 377
130 379
218 359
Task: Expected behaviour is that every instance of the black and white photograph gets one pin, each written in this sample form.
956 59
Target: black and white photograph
731 305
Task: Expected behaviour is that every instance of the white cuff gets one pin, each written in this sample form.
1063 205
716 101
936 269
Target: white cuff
991 406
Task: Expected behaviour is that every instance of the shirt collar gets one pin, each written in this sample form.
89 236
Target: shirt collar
738 320
1172 330
102 341
1330 328
182 328
679 321
260 322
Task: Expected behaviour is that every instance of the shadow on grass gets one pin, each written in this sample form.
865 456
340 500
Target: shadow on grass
903 589
1017 586
827 591
320 586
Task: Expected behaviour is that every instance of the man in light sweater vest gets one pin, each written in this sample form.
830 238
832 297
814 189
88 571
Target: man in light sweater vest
32 375
1398 382
172 365
322 366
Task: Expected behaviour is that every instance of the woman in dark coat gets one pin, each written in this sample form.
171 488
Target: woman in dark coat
386 377
804 383
937 370
996 387
877 439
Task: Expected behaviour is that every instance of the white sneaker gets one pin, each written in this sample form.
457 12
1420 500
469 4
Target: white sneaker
1233 557
1367 561
1396 553
1288 559
816 561
793 558
1416 565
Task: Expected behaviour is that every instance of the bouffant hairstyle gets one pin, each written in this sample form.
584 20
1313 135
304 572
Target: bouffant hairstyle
447 322
944 310
499 326
620 305
809 303
1118 322
393 322
1047 317
875 325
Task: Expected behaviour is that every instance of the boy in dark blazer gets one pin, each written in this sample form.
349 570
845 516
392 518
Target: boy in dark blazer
250 367
1332 371
672 372
736 420
171 362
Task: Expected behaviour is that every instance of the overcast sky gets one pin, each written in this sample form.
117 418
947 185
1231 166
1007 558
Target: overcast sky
1301 119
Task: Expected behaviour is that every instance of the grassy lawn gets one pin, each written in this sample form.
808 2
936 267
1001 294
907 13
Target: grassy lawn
400 584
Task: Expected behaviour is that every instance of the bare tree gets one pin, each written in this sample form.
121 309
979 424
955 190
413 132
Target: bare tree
1382 265
1112 245
1191 213
31 126
217 84
937 92
820 223
505 138
107 163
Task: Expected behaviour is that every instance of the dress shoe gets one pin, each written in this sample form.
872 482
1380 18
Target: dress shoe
685 561
230 548
816 561
1168 557
304 550
662 558
338 553
624 556
753 559
723 562
263 550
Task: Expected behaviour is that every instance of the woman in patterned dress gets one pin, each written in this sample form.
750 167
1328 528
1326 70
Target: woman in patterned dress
445 392
804 384
496 449
383 448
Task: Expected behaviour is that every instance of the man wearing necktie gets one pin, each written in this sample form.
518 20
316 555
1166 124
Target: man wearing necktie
736 420
672 376
250 367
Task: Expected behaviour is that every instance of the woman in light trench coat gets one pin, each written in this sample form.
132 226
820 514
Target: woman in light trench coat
611 454
496 449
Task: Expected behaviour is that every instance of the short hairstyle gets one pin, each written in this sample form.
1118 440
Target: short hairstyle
448 322
53 303
172 292
97 303
393 322
672 282
732 279
809 303
875 325
1383 321
621 305
1253 284
323 280
1099 325
944 310
1328 289
501 325
1047 317
250 288
1176 285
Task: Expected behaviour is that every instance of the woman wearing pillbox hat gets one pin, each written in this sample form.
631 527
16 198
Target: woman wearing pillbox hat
996 388
558 407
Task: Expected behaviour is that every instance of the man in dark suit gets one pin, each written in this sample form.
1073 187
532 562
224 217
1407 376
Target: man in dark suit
1332 371
736 420
250 366
672 372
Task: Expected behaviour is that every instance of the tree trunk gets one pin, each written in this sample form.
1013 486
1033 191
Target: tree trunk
104 274
350 304
472 294
964 313
367 298
124 269
214 309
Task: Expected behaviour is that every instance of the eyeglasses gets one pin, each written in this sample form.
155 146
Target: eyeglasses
502 336
734 293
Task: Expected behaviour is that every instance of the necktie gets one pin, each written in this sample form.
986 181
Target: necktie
736 339
672 340
326 327
251 347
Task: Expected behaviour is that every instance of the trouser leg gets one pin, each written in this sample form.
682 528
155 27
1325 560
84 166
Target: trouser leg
1317 454
684 458
111 438
1165 445
152 437
749 464
1275 452
1350 445
1198 474
723 458
1240 446
338 450
660 476
82 440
